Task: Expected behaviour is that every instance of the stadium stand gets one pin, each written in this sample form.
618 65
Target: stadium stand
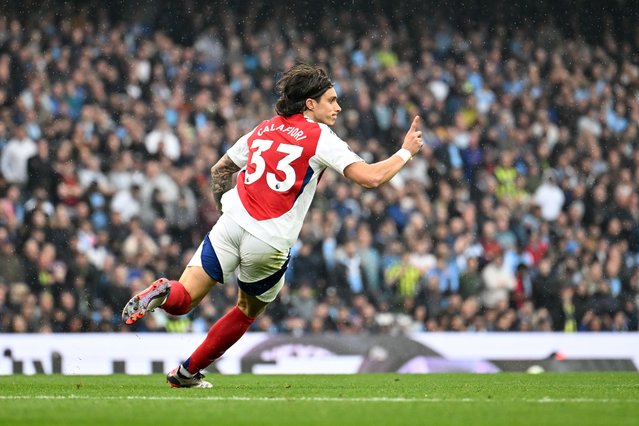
521 214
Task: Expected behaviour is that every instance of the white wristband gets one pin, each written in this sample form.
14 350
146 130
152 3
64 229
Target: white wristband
404 154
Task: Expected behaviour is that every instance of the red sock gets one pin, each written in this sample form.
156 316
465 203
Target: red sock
179 300
222 335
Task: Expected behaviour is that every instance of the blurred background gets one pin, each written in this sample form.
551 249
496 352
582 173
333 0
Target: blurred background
521 213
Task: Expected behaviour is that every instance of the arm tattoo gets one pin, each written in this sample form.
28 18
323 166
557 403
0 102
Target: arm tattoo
222 179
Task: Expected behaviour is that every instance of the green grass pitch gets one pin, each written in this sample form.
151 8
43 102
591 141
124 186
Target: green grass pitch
364 399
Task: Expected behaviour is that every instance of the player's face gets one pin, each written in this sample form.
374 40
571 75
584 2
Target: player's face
326 110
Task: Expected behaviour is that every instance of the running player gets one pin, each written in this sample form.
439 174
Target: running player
280 163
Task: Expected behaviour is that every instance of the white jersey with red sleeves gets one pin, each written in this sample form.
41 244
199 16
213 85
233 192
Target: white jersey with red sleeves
282 160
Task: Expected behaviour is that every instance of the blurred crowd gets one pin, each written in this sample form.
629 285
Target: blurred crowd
521 213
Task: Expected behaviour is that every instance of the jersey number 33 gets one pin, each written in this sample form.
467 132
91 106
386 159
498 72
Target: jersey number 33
275 175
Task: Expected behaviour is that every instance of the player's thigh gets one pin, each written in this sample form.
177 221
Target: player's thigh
259 260
215 260
261 269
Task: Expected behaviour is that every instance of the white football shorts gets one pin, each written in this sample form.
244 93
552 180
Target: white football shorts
228 247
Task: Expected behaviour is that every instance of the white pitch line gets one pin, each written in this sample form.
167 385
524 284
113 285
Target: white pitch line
545 400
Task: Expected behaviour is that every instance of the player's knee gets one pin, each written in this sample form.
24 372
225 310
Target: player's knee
251 306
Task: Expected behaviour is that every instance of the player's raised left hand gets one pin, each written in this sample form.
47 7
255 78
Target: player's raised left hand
413 139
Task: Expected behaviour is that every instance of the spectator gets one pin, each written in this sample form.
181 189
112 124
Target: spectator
40 171
161 141
303 302
470 281
126 202
11 268
403 277
549 197
15 155
499 282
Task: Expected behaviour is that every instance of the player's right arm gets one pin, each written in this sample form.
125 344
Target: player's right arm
222 179
222 172
376 174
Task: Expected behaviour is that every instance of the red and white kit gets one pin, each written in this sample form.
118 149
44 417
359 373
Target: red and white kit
282 161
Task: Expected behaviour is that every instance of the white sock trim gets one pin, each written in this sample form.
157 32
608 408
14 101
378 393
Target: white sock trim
183 371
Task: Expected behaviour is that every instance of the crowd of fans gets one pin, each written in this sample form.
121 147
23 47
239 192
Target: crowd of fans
521 213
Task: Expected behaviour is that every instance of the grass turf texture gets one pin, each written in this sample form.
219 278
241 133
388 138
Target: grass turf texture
365 399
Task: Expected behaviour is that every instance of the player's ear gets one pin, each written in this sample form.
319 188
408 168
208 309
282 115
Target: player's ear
310 104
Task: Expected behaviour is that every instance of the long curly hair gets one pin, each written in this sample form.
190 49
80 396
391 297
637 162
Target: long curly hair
298 84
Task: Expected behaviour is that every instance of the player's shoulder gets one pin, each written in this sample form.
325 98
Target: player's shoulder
326 130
